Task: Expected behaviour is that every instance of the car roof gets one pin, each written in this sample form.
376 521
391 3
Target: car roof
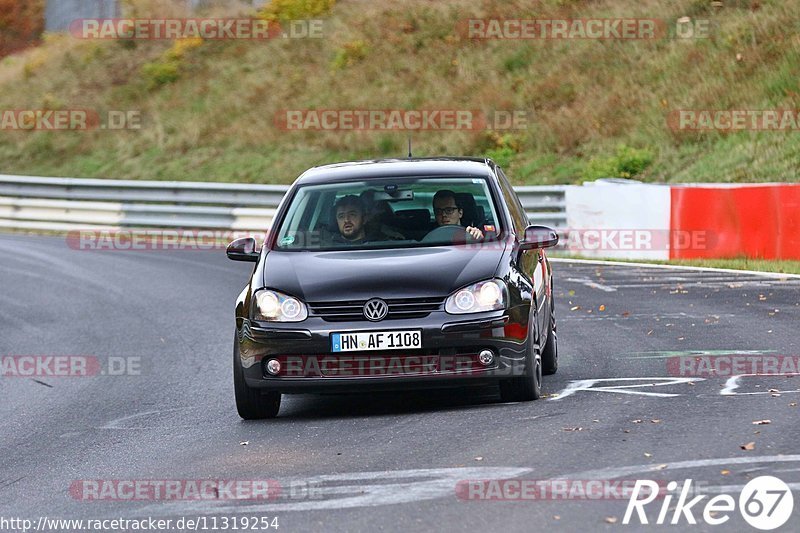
387 168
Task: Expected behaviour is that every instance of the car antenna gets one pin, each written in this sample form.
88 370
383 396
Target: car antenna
409 147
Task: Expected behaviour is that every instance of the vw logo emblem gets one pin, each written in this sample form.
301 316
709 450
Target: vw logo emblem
375 309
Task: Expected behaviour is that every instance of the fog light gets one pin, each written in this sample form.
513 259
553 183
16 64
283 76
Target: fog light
273 366
486 357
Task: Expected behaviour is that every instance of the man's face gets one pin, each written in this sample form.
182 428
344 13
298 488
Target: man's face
351 221
446 212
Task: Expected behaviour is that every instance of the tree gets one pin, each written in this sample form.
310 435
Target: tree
21 24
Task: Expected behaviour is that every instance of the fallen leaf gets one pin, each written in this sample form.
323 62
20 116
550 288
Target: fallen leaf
571 292
761 422
637 421
656 421
556 517
749 446
648 454
626 430
626 314
575 308
611 519
601 308
479 458
725 472
661 467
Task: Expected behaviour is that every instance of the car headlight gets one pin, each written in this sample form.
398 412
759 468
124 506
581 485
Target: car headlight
274 306
483 296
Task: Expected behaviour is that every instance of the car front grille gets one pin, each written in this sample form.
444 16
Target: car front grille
354 310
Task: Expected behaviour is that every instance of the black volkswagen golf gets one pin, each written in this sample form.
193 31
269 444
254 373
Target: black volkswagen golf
395 274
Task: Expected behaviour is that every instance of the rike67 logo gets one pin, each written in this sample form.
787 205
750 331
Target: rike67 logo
765 503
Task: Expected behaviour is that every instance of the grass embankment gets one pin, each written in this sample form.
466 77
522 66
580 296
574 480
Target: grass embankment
595 107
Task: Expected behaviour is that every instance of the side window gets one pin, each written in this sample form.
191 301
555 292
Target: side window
518 216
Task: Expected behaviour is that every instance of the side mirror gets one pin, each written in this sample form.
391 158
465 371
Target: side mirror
538 237
243 249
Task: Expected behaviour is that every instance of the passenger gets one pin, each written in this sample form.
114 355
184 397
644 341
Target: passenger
447 212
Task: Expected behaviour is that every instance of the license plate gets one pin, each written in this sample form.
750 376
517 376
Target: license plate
376 340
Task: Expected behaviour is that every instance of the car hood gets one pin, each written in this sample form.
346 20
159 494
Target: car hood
363 274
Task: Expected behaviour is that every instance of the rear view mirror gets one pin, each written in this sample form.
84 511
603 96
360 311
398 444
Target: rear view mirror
538 237
243 249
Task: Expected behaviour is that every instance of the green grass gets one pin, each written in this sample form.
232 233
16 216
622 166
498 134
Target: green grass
593 107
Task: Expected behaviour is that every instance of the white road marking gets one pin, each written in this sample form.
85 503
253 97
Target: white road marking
377 488
592 284
733 383
776 275
589 385
118 422
615 472
640 316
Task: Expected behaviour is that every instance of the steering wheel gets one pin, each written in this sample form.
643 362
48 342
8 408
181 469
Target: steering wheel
448 233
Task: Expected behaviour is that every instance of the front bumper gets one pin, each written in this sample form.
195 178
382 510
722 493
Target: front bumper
448 357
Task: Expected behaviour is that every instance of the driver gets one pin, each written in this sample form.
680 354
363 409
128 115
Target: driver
350 220
447 212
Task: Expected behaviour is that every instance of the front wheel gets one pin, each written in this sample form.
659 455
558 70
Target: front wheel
550 351
529 386
252 404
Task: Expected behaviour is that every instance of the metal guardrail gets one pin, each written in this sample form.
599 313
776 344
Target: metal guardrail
63 204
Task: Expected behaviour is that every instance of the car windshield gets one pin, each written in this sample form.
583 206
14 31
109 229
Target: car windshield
390 213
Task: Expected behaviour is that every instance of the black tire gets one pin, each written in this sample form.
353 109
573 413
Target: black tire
529 386
550 350
252 404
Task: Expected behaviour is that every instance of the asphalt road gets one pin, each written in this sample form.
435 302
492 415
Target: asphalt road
383 462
